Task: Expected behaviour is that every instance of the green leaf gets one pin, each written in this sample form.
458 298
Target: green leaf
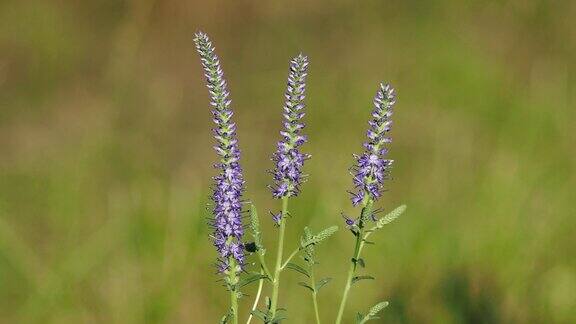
359 262
390 217
315 239
260 314
359 278
359 317
250 279
305 285
373 312
280 316
297 268
322 283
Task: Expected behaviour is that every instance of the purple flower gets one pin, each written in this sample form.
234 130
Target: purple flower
372 167
229 183
288 159
276 218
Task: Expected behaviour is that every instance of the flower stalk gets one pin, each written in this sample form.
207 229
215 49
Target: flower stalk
289 160
358 246
369 173
279 256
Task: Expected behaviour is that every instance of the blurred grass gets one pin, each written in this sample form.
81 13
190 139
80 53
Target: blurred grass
105 154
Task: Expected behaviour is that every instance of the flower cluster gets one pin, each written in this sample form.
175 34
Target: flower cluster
288 159
372 167
229 183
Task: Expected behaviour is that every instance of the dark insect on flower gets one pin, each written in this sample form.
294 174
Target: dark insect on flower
229 183
372 168
288 159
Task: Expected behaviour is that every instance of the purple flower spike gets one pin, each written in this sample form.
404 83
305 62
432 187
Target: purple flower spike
229 183
288 159
372 168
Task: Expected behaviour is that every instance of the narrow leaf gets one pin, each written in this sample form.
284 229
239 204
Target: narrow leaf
297 268
260 314
303 284
280 316
322 283
358 278
360 262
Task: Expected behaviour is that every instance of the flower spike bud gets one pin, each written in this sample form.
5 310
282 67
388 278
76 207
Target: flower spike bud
288 159
372 167
229 183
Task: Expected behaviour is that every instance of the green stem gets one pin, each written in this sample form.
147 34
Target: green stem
354 261
314 300
233 281
234 305
278 268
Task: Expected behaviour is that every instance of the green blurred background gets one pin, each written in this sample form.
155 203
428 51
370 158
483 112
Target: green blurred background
105 155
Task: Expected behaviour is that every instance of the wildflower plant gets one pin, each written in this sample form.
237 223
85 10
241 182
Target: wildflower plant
227 224
369 173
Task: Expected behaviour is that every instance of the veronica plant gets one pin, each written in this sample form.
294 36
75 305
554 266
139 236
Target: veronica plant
372 168
229 183
369 173
288 159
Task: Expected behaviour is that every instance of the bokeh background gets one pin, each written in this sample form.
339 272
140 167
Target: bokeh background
106 154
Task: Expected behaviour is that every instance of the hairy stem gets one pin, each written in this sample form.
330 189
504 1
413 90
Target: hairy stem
233 280
234 306
354 261
278 268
